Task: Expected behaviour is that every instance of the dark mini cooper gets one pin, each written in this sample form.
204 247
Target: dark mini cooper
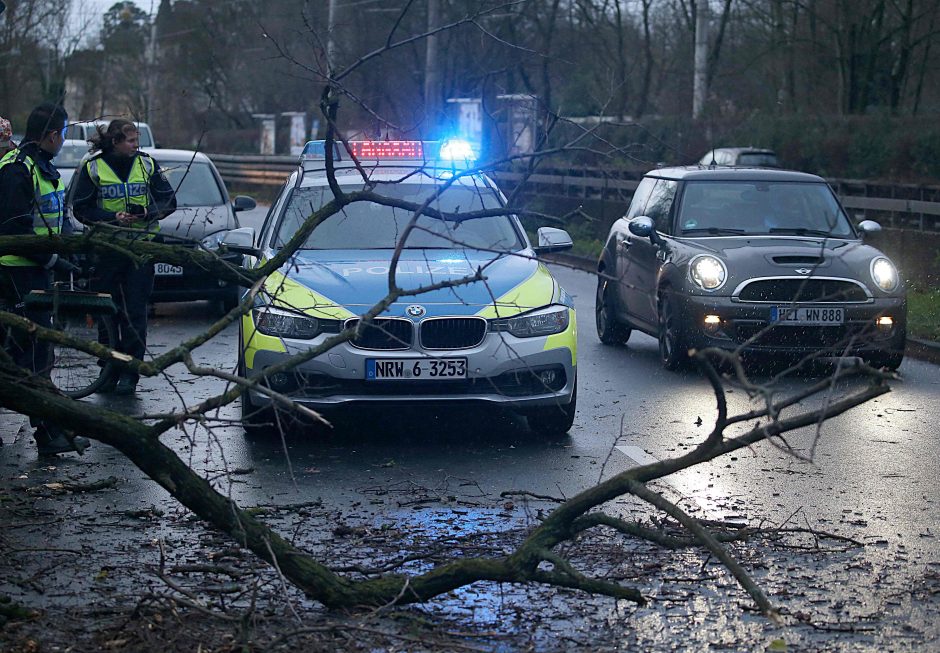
748 259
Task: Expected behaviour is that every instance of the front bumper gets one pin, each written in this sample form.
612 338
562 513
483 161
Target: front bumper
194 284
747 325
502 371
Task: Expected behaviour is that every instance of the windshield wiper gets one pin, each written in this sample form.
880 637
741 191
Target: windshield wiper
714 231
799 231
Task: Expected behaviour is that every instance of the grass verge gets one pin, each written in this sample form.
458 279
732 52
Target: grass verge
923 313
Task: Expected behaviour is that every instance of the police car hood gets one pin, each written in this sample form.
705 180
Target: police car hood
342 283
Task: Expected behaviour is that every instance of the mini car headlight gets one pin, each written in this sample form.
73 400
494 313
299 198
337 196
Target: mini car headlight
544 322
283 324
212 241
708 272
884 274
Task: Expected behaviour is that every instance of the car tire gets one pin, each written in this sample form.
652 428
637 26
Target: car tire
610 331
673 352
554 421
256 421
230 300
887 359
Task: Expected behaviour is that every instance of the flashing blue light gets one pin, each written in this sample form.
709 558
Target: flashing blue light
455 149
316 150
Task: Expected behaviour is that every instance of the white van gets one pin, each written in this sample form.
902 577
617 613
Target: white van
85 129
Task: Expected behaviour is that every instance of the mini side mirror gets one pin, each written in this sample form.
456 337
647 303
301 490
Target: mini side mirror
553 240
641 226
869 227
243 203
241 241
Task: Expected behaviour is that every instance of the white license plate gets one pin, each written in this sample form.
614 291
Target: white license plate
416 369
807 315
167 270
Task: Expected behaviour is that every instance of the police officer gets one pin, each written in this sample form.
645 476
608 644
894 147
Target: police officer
6 137
33 204
123 187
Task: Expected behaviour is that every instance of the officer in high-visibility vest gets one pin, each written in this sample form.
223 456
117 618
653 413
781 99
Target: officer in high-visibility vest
123 187
31 203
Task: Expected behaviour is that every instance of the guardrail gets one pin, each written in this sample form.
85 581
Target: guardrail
910 211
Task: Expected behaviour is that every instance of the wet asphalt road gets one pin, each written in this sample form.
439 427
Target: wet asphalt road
874 477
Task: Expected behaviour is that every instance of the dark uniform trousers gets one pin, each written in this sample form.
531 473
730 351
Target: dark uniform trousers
130 287
25 350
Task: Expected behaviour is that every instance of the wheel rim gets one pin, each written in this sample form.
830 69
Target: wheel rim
667 335
600 309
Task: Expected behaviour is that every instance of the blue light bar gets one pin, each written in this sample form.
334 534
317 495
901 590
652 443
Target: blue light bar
316 151
454 153
455 150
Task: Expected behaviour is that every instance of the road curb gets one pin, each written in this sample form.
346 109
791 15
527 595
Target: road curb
919 348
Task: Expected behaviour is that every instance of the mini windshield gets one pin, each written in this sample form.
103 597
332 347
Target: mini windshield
367 225
718 208
195 185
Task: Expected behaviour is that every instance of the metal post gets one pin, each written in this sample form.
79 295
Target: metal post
331 39
432 65
700 81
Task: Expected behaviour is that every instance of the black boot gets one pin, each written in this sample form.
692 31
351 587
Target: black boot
51 440
127 384
108 386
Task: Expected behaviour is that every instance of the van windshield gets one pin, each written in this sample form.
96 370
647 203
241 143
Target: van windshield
195 185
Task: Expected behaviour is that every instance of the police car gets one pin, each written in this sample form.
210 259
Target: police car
508 340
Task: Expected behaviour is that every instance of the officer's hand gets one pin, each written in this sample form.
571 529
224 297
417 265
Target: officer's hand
65 266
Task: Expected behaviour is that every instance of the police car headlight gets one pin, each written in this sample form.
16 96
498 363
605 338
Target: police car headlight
884 274
284 324
708 272
212 242
544 322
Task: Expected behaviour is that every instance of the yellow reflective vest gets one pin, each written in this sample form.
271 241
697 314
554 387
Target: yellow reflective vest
115 194
47 209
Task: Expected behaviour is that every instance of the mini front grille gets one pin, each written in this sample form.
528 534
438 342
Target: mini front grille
798 260
452 332
384 334
800 337
788 290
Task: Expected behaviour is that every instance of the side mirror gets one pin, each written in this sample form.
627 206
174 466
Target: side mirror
641 226
553 240
869 227
243 203
241 241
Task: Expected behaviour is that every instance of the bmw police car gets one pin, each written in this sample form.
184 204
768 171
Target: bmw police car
508 340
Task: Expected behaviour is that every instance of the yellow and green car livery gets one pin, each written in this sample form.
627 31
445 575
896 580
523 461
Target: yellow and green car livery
487 323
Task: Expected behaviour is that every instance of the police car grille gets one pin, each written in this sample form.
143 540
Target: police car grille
384 333
802 290
452 332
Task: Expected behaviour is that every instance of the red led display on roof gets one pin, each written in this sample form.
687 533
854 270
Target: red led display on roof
387 150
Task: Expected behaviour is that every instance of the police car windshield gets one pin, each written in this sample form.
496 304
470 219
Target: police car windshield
195 185
717 208
366 225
